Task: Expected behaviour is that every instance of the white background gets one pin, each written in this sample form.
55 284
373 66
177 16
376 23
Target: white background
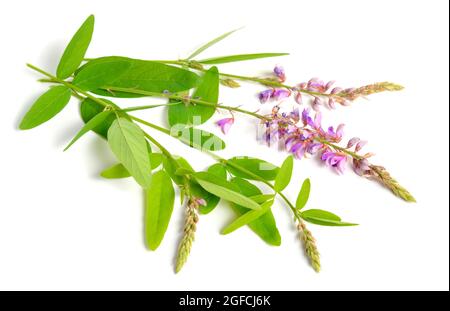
62 227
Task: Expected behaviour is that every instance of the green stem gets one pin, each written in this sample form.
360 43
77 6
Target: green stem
136 108
74 88
153 126
245 78
182 98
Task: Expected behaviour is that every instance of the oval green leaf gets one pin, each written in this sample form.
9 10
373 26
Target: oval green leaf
324 218
265 226
198 139
210 43
247 218
262 169
98 74
119 171
147 76
90 125
211 200
303 195
196 114
127 141
238 58
76 49
46 107
160 198
284 175
261 198
224 190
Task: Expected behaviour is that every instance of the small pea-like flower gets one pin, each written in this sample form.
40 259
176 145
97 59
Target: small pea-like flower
279 72
316 103
225 124
336 160
353 141
265 95
298 98
280 94
360 145
335 136
200 201
361 166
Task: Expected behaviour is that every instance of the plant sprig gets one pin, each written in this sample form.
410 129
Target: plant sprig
235 180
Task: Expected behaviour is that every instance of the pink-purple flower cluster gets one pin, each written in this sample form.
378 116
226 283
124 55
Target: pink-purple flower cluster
322 93
310 138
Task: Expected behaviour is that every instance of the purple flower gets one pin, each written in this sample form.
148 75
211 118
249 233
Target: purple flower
335 136
279 72
298 150
225 124
314 147
361 167
264 96
331 103
306 118
298 98
336 90
317 121
316 103
315 84
360 145
329 85
353 142
279 94
335 160
295 115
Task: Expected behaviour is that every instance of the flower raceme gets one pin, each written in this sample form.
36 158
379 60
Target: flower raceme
322 93
303 135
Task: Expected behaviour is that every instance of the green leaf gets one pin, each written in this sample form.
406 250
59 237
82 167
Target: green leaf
181 171
75 51
155 159
211 200
147 76
119 171
210 43
196 114
115 171
101 73
198 139
89 109
323 218
90 125
218 169
284 175
303 195
238 58
261 198
248 218
127 141
46 107
261 168
265 226
224 190
160 198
